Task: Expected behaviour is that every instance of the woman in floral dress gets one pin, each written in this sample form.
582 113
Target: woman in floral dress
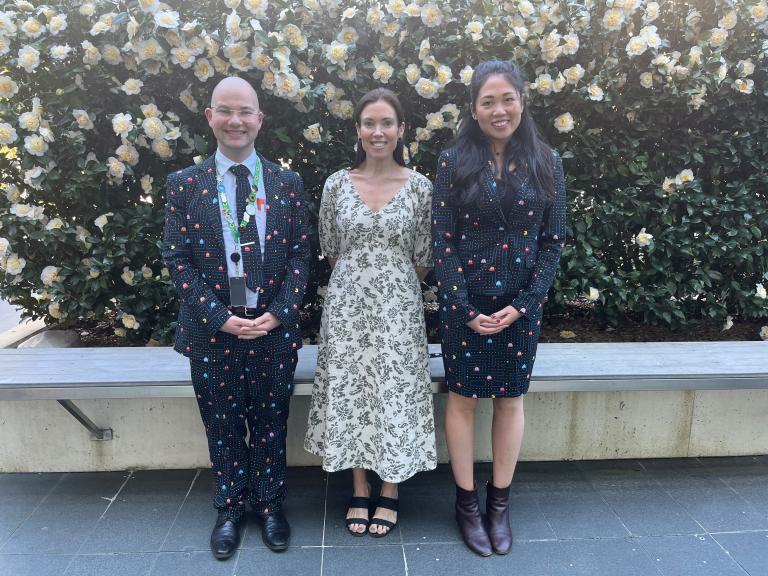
372 400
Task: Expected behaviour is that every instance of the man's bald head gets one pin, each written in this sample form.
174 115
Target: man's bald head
234 85
234 117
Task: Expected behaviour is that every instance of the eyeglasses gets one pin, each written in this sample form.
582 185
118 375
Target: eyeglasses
244 113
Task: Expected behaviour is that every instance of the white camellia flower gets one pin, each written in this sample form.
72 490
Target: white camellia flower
465 75
83 120
412 73
127 275
526 9
651 37
646 80
8 88
12 193
595 92
100 222
115 168
593 294
763 333
50 275
336 52
313 133
259 7
146 183
435 121
122 124
13 265
728 324
132 86
543 84
8 134
636 46
427 88
54 310
613 19
57 24
729 20
431 15
443 75
129 321
717 37
564 123
570 43
35 145
167 19
54 224
694 55
4 246
32 28
162 149
154 128
759 11
684 176
474 29
149 6
643 238
28 58
382 70
745 86
111 54
746 67
669 185
91 54
574 74
760 291
651 12
203 69
60 52
146 272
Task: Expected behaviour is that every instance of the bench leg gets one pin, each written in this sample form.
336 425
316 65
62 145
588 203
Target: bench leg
96 432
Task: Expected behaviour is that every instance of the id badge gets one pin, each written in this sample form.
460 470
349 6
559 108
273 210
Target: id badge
237 291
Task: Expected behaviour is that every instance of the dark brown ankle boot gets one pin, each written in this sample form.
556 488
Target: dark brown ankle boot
497 511
470 523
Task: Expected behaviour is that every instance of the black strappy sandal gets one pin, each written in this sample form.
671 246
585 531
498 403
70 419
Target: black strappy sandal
389 504
359 502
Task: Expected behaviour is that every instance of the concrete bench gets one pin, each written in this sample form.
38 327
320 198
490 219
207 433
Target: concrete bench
69 374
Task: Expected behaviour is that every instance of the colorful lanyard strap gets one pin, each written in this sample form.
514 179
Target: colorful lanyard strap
250 208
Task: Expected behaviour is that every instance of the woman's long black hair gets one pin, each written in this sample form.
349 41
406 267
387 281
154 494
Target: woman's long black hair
369 98
527 148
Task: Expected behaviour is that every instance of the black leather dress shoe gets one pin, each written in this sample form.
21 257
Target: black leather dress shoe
225 537
275 530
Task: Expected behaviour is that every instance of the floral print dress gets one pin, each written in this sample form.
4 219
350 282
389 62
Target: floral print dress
372 399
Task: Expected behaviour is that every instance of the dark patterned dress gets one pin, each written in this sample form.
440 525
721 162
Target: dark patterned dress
500 252
372 396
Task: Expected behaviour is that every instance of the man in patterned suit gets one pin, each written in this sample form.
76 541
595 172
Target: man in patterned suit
236 245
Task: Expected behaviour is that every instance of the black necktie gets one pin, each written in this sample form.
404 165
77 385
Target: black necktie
247 234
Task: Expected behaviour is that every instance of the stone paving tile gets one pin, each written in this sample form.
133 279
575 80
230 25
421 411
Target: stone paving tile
20 494
33 565
381 560
142 514
293 562
748 549
705 496
68 516
192 564
690 556
111 564
525 559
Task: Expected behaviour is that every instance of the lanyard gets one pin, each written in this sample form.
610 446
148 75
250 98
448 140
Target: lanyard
250 208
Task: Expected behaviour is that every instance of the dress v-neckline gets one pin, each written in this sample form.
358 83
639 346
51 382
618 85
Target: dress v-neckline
387 203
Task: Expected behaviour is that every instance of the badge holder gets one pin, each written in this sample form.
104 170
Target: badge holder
237 297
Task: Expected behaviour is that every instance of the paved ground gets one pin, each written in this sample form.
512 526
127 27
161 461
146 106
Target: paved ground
696 517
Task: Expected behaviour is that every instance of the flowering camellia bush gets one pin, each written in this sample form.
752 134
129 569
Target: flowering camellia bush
659 110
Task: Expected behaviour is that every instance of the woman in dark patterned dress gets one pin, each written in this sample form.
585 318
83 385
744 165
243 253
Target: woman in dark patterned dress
498 226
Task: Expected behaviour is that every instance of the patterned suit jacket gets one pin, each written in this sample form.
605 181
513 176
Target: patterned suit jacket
193 251
482 251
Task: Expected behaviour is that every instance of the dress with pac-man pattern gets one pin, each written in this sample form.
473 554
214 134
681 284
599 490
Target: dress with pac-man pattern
487 258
